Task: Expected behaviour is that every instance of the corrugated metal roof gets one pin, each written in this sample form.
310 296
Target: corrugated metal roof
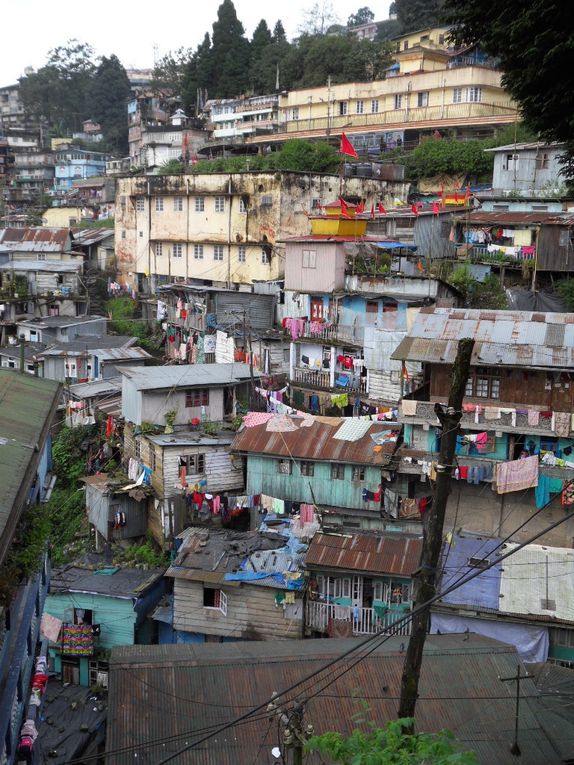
165 691
190 439
58 321
121 354
315 442
27 406
502 338
365 552
535 575
40 239
47 266
518 218
186 375
96 388
124 583
84 237
110 406
484 590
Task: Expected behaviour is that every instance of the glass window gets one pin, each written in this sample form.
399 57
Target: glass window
337 471
265 256
295 113
474 94
159 204
398 101
457 95
177 250
218 252
358 473
219 204
284 467
343 108
242 254
307 468
199 204
375 105
360 107
197 397
158 249
140 205
198 251
423 98
309 259
178 204
242 206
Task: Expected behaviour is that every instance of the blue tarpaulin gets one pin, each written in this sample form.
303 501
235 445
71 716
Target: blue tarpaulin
396 246
253 576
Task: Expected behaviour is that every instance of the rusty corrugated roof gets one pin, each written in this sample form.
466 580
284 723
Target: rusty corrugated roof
166 692
518 218
316 442
34 239
372 553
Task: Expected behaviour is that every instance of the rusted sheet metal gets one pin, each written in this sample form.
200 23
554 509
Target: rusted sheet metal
365 552
315 443
37 239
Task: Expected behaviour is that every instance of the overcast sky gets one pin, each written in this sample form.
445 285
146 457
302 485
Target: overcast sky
131 29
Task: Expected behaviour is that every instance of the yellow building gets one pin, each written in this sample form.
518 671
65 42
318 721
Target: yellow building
62 217
221 229
429 87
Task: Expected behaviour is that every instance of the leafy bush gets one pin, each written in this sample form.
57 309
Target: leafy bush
486 294
565 290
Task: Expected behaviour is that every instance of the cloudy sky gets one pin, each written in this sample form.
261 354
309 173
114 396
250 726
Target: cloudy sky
133 30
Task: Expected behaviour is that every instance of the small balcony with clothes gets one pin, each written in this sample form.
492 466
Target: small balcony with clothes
336 620
329 368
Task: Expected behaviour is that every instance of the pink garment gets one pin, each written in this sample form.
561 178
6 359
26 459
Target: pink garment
216 504
316 327
293 326
517 475
256 418
533 416
306 514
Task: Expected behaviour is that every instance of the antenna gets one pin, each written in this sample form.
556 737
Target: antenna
155 54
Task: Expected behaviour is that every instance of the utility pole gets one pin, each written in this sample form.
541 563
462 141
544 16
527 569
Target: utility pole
515 749
425 577
294 735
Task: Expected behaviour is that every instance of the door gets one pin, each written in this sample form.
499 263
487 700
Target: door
317 309
70 672
357 591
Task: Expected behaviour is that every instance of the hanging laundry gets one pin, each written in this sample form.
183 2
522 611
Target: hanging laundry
517 475
562 424
533 417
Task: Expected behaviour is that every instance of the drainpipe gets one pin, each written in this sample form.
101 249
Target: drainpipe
22 357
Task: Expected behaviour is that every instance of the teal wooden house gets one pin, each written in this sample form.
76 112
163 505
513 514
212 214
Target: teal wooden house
337 464
359 583
99 609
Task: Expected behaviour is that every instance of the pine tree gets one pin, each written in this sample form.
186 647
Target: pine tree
230 53
198 77
279 35
260 41
109 93
417 14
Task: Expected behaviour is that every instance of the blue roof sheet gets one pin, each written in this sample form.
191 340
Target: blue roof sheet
484 590
389 245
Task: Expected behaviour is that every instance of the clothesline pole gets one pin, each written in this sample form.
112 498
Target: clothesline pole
426 575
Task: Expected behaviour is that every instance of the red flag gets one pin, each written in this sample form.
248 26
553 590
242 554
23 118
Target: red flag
414 209
435 208
344 210
347 147
456 196
382 209
373 212
360 208
419 265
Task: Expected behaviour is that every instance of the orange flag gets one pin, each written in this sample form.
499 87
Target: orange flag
344 210
419 265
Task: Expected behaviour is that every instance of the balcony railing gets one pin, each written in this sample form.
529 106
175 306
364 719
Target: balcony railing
363 621
331 333
508 422
314 378
317 378
480 252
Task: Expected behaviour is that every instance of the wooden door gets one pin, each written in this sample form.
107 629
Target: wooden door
316 309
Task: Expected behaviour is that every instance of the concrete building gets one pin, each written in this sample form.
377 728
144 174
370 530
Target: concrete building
63 329
219 229
237 118
73 164
529 170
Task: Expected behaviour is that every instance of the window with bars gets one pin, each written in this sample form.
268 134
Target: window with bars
199 204
178 204
284 467
140 205
358 473
177 250
375 105
218 252
307 468
159 204
158 249
198 251
242 254
337 471
197 397
483 383
219 204
360 107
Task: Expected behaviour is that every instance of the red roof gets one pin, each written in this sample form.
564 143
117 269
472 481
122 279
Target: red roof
370 553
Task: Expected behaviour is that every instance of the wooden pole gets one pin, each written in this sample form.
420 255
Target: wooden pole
425 577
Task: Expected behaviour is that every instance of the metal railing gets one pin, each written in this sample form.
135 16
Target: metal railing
363 621
334 332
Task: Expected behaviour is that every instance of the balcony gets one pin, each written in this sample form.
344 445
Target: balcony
313 378
508 422
479 253
366 622
332 334
321 379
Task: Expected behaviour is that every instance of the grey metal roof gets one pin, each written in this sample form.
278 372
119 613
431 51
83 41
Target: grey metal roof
187 687
527 146
125 583
96 388
84 237
89 343
49 266
30 350
186 375
119 354
502 338
190 439
59 321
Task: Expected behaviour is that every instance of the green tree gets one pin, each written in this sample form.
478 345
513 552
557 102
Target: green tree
486 294
59 92
261 40
109 93
417 14
363 16
533 42
230 53
279 35
390 746
197 77
448 157
388 29
169 71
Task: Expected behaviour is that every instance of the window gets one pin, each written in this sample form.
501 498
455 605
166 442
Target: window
307 468
510 162
193 463
484 382
375 105
159 204
284 467
153 459
242 254
423 98
219 204
406 45
158 249
398 101
42 255
178 204
177 250
358 473
83 616
266 255
360 107
140 205
242 205
474 94
295 113
138 449
343 108
337 471
197 397
198 251
218 252
199 204
542 161
457 95
309 259
215 599
441 39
